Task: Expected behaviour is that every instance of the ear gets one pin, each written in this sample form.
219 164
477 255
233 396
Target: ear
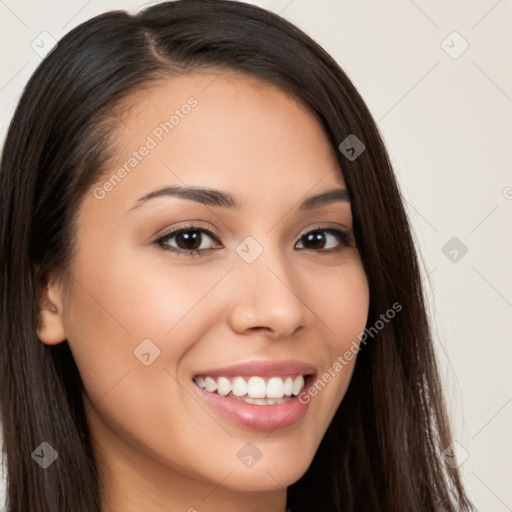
50 329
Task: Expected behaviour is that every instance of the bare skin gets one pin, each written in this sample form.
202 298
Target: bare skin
159 446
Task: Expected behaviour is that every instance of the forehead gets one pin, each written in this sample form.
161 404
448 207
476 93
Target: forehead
230 131
227 103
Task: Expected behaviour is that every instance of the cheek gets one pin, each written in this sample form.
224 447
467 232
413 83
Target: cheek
120 305
126 301
341 300
116 309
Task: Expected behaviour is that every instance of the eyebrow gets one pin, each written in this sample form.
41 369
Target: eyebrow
213 197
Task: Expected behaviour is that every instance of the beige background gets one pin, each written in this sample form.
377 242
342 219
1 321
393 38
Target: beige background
448 124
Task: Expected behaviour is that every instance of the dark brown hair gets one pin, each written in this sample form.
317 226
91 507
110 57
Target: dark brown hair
383 449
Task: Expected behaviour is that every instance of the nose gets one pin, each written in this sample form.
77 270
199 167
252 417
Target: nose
267 297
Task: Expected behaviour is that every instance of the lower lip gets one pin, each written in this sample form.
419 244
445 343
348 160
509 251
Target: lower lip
258 417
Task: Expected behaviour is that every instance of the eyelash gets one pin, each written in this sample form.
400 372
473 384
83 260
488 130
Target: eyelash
343 236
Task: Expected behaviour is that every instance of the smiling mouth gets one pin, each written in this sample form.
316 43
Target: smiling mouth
255 389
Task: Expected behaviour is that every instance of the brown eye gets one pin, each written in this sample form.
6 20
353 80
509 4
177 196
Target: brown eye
324 239
188 240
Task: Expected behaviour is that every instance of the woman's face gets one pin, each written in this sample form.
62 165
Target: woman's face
273 293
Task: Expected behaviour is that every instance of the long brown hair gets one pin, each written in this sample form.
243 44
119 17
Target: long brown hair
383 449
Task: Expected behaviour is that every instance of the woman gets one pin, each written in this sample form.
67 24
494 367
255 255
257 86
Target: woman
211 298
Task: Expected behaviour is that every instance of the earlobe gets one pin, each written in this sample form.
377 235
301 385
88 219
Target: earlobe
50 329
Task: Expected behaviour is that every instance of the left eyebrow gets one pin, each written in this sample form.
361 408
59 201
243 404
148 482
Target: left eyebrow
331 196
212 197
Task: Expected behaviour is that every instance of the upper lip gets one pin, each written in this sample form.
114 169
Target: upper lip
261 368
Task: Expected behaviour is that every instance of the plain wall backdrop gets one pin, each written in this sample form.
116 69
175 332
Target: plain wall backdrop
437 77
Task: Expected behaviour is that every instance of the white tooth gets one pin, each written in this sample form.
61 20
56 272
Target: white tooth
260 401
200 382
210 384
256 387
223 386
298 384
239 386
282 400
249 400
275 387
288 386
271 401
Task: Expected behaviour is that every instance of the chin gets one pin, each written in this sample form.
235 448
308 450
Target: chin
269 473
